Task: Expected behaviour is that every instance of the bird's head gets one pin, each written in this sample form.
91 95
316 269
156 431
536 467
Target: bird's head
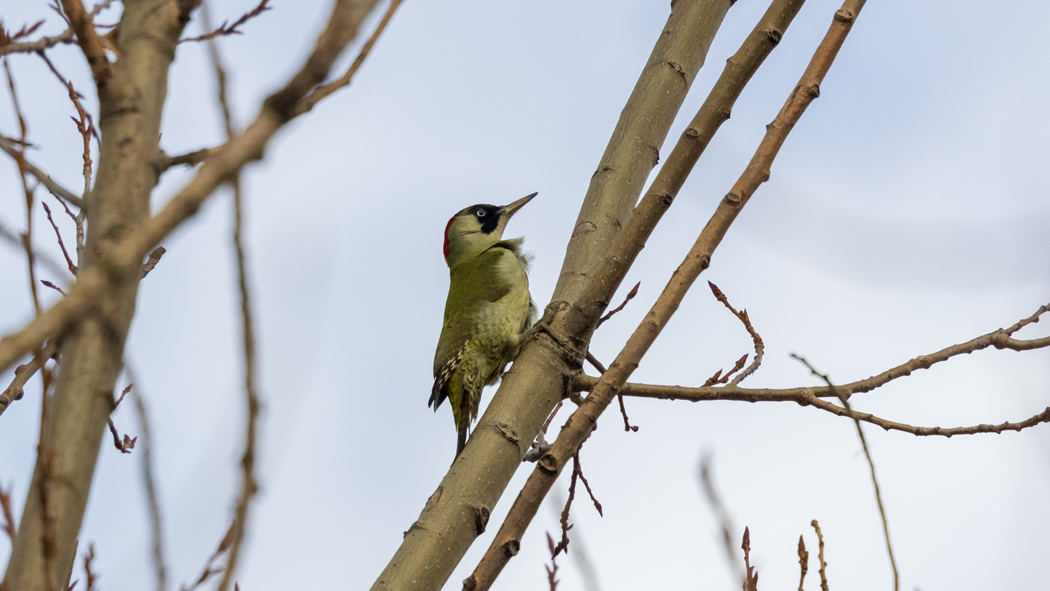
476 228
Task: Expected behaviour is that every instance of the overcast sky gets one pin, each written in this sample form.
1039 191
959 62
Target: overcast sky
907 212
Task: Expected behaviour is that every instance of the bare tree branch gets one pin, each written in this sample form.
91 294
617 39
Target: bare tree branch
58 235
820 556
151 262
117 262
803 562
580 424
227 29
131 97
1000 339
83 26
189 159
742 315
750 573
22 375
28 192
38 46
324 90
536 382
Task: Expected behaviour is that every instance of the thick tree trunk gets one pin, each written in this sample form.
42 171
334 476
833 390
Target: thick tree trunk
131 101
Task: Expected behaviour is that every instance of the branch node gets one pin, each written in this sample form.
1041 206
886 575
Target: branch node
548 463
512 547
481 519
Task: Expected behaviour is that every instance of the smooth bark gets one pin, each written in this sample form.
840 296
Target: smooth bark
457 512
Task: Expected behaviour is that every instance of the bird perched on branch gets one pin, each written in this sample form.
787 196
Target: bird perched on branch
487 310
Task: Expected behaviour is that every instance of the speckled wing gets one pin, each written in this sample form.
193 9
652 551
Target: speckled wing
471 288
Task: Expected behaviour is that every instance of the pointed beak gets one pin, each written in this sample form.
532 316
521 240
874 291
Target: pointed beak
508 210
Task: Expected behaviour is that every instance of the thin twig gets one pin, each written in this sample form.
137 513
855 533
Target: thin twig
820 556
805 397
552 570
48 284
563 544
38 45
322 91
43 43
227 29
189 159
742 315
999 339
627 426
127 444
587 485
86 127
248 484
27 236
154 258
718 378
22 375
90 576
750 574
803 562
630 296
871 464
58 235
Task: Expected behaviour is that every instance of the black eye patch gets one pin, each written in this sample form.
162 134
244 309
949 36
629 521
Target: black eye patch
487 215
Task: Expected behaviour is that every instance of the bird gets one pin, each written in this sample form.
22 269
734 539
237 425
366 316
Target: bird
487 311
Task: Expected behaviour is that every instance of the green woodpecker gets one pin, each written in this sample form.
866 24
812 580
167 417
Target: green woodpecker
487 310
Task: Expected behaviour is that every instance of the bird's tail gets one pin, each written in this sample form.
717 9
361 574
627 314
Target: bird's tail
461 440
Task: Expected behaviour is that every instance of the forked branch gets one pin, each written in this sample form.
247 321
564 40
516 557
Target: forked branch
580 424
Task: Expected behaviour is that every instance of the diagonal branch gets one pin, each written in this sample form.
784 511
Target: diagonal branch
120 234
580 424
82 24
456 514
319 93
691 145
125 258
22 375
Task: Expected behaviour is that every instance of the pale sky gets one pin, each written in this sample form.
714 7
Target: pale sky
907 212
